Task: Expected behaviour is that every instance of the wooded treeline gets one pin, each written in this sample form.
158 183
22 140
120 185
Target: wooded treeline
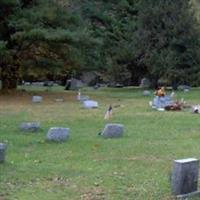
124 39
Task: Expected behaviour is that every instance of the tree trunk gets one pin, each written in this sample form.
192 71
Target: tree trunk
9 77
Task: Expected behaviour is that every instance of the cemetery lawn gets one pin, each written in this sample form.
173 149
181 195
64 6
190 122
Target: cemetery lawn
88 167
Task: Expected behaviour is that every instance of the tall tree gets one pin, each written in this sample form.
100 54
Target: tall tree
114 22
154 38
168 40
40 34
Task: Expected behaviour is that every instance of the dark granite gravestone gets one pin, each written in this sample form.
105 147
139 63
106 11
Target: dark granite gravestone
185 176
113 131
2 152
37 99
30 126
58 134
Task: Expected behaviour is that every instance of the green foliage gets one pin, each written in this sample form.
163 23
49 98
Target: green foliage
44 34
126 39
113 23
168 35
148 38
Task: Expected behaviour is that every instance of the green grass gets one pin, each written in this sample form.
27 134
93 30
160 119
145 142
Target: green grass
88 167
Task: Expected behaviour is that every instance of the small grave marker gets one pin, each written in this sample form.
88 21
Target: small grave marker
113 131
58 134
185 176
146 93
2 152
90 104
30 126
37 99
145 83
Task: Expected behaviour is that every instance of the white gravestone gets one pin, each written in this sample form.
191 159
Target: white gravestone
90 104
37 99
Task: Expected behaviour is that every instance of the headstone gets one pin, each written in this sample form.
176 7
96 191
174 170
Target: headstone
59 100
48 83
90 104
2 152
37 99
186 90
184 87
162 102
38 83
185 176
146 93
113 131
75 84
68 84
58 134
30 126
27 83
119 85
145 83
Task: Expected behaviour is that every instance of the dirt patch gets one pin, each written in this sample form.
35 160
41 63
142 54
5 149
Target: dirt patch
95 193
3 196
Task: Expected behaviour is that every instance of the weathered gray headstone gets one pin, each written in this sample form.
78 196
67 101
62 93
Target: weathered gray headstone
184 87
2 152
58 134
185 176
146 93
37 99
30 126
113 131
90 104
145 83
